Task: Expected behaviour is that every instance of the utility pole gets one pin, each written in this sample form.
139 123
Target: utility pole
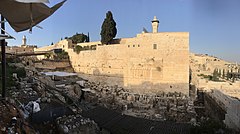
3 59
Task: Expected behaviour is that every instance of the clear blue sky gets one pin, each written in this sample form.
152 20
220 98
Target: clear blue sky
214 25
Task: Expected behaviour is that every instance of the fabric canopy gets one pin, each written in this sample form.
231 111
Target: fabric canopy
33 1
22 16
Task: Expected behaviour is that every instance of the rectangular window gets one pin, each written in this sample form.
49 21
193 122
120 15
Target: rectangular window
154 46
133 45
138 45
128 45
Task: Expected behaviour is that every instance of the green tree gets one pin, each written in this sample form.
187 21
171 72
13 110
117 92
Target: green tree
219 72
228 75
223 75
79 38
109 29
47 55
215 75
78 48
88 38
233 78
62 55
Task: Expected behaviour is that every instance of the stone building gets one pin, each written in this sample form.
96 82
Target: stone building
23 48
149 62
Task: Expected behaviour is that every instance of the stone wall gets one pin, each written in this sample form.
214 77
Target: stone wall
150 62
51 64
232 107
17 49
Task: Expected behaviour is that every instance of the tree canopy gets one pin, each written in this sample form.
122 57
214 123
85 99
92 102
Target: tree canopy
109 29
79 38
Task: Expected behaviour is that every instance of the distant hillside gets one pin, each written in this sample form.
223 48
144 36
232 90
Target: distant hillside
207 64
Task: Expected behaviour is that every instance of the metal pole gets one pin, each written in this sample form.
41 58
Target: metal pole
3 59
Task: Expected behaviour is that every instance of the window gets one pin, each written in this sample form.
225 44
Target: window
154 46
138 45
128 45
158 69
133 45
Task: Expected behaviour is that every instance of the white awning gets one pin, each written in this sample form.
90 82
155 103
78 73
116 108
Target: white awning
23 16
33 1
61 74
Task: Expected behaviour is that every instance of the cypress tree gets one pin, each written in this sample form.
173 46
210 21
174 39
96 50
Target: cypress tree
223 75
215 75
228 75
233 78
88 38
219 73
109 29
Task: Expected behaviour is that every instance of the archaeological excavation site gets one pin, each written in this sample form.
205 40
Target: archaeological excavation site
145 83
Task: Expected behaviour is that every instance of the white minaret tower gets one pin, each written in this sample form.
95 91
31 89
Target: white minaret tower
24 41
155 23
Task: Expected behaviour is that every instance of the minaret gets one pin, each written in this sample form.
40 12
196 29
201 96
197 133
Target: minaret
24 41
155 23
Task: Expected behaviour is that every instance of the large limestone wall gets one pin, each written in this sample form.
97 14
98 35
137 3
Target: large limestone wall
134 63
231 105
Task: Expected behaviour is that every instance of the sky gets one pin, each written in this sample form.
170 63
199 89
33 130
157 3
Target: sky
214 25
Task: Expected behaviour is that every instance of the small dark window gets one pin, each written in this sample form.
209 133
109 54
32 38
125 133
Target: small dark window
128 45
133 45
170 86
154 46
159 69
138 45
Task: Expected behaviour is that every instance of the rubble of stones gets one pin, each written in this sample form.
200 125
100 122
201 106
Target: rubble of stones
24 90
30 89
73 124
161 106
